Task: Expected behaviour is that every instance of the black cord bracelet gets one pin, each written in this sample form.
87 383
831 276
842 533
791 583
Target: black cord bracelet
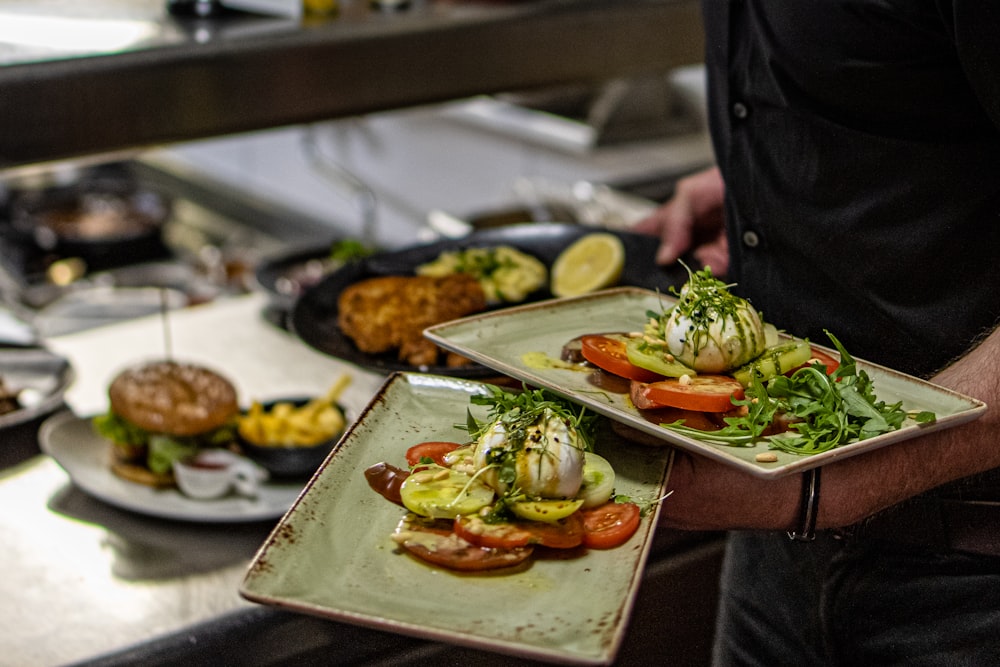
809 507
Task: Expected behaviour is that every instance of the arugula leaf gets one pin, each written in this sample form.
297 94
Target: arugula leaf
824 411
739 431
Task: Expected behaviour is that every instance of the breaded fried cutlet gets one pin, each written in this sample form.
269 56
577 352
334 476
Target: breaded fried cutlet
391 312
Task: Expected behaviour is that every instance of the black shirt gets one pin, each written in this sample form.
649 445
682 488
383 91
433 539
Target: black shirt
860 145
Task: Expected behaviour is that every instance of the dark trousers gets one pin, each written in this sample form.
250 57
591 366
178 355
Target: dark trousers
856 601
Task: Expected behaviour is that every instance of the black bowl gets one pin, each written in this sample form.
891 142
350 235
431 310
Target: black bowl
289 461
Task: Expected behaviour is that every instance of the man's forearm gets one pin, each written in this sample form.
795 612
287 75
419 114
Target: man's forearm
858 487
709 495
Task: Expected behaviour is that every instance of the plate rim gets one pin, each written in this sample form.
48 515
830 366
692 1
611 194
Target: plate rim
52 400
68 419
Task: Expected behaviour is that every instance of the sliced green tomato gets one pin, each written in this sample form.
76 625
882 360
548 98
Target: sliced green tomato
598 481
648 357
444 494
775 361
772 337
548 511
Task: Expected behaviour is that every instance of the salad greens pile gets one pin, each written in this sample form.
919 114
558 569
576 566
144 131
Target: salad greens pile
823 410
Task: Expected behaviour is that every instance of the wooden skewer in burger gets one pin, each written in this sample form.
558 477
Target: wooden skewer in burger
164 411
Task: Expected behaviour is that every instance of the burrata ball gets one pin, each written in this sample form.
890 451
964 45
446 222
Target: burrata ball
714 333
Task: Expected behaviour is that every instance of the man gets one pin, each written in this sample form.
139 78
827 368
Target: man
858 183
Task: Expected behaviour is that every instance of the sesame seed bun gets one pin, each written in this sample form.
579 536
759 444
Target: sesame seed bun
173 398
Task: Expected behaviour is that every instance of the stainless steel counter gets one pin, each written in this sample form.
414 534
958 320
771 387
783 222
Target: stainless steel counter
145 78
82 578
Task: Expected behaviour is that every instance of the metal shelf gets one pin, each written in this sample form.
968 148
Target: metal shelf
195 78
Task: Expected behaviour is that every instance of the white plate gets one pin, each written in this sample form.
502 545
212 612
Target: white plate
332 555
84 455
499 340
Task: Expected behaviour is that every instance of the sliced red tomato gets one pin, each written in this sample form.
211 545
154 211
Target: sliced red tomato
609 355
497 535
609 525
637 392
386 479
822 357
701 393
659 414
436 543
564 534
433 450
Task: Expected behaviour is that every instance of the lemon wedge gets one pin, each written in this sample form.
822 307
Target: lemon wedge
593 262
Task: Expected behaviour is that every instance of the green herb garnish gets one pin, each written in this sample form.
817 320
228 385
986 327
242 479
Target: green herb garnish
347 250
519 410
516 413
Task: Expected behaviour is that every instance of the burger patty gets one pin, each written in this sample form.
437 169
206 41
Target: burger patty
173 398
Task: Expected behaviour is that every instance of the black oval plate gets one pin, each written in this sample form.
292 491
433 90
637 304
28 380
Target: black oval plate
314 314
271 273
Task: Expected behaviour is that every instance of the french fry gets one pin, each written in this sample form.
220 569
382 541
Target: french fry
288 425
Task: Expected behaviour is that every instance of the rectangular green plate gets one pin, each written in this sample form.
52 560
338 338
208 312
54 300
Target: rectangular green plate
332 555
501 339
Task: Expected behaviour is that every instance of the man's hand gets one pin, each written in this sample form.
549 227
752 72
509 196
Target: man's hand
692 219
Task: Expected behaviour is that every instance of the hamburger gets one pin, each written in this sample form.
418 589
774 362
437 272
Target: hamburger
161 412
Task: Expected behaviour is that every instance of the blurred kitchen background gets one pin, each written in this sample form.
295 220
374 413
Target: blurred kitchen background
476 158
600 155
153 161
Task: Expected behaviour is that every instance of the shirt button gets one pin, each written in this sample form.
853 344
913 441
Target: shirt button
740 110
750 239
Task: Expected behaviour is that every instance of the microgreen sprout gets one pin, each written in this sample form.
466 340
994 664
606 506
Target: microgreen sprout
517 411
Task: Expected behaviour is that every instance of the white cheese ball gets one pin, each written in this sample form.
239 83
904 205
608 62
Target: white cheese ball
549 466
719 344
